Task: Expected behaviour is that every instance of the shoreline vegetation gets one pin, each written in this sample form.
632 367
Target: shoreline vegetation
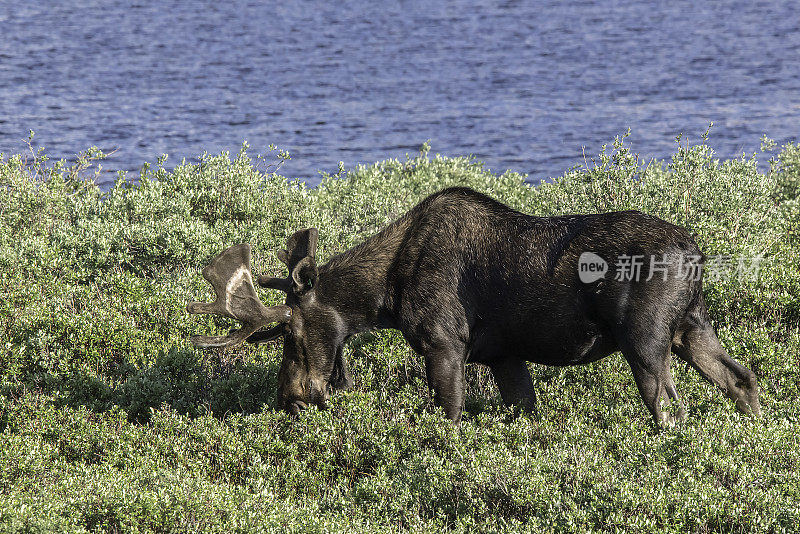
110 420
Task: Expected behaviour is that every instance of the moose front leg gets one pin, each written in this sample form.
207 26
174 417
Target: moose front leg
445 371
514 382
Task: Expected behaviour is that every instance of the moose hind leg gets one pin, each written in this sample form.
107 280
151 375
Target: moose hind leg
649 360
699 347
672 392
514 382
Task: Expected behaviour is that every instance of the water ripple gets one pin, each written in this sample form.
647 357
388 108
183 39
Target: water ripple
524 85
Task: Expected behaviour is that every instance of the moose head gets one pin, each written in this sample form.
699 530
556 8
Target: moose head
313 337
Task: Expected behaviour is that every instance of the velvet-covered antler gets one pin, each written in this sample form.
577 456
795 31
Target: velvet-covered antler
230 275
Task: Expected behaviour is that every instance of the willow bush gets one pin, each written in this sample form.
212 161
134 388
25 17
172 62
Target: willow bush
111 420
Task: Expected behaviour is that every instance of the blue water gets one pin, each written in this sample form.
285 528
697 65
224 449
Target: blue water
522 85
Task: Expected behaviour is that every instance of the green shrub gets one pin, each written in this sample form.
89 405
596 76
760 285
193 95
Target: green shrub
111 420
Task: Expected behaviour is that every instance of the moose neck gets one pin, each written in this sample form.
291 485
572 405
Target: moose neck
357 283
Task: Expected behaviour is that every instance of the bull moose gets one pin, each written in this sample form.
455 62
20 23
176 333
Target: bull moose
465 279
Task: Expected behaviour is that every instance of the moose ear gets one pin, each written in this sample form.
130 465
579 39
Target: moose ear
298 256
302 244
304 275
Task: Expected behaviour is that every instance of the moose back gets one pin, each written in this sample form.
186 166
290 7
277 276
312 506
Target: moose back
468 279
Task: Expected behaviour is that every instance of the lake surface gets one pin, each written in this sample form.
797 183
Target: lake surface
521 85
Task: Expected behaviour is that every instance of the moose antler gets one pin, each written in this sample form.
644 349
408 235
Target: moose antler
298 256
230 275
